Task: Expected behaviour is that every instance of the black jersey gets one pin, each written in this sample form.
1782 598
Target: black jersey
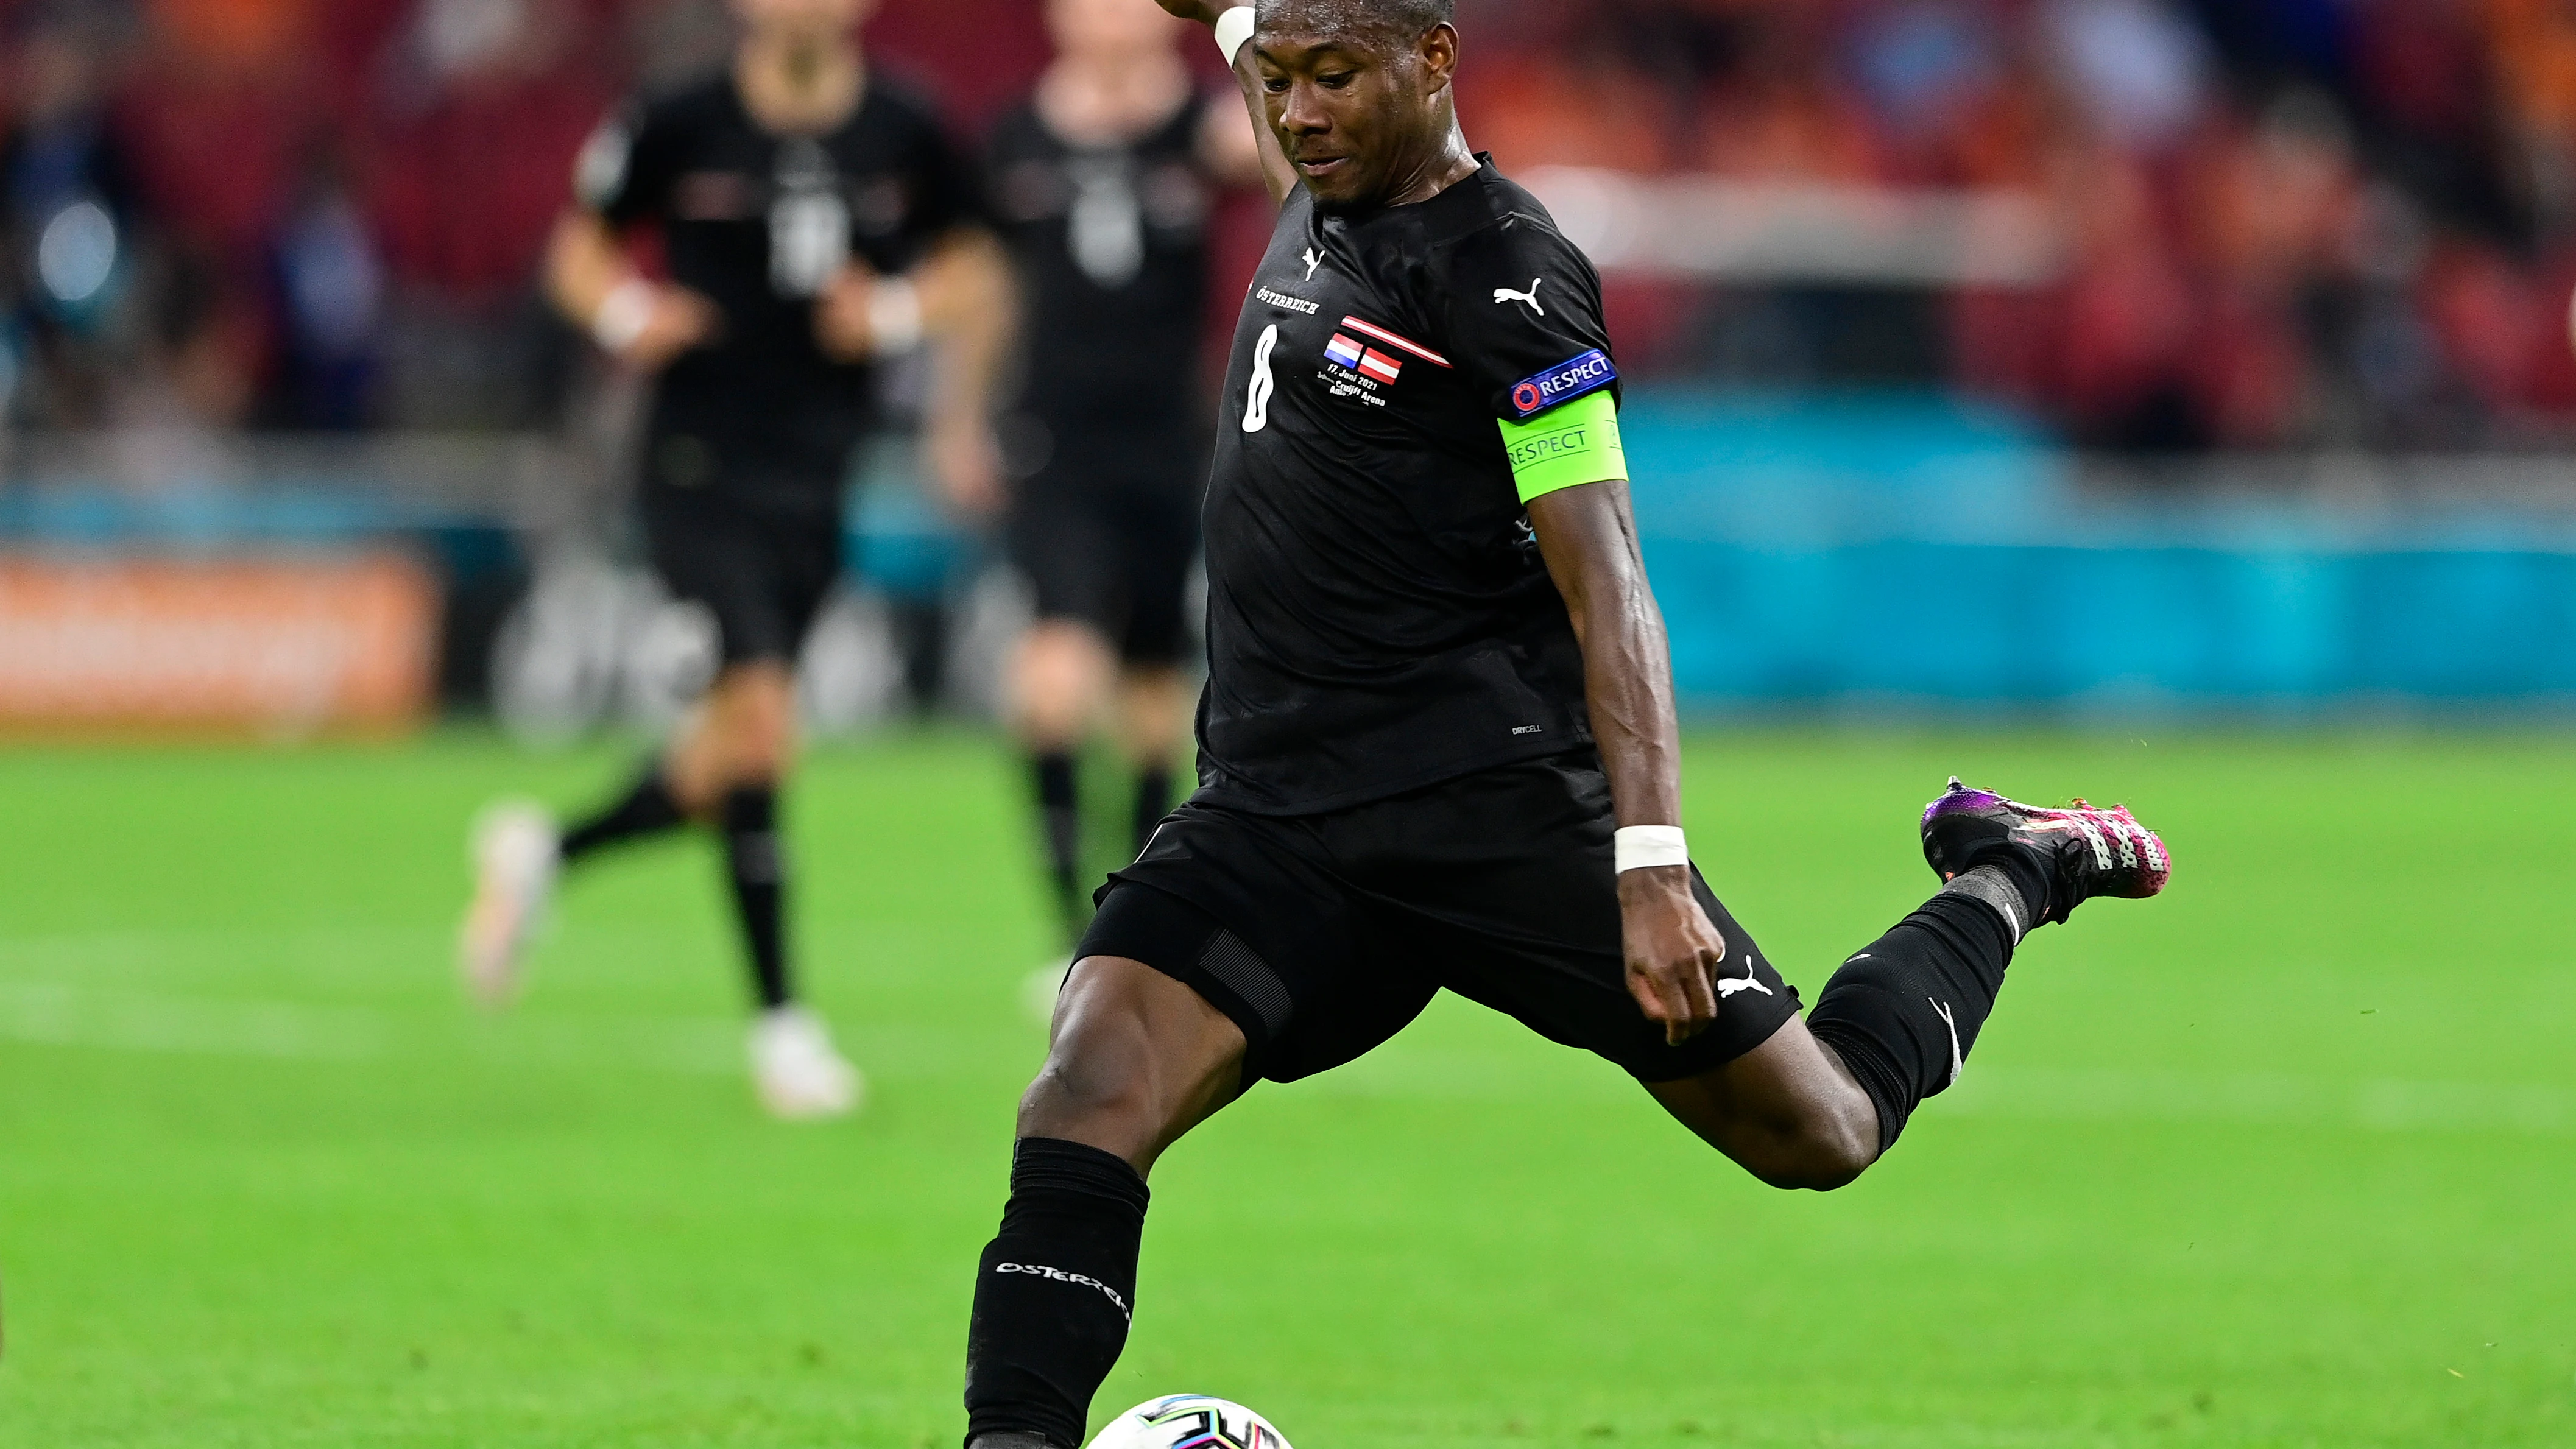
1379 617
759 223
1111 246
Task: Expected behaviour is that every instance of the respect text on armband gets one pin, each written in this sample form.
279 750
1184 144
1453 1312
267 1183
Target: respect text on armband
1529 453
1562 383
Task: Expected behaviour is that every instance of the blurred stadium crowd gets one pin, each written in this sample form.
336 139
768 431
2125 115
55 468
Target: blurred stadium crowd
2306 223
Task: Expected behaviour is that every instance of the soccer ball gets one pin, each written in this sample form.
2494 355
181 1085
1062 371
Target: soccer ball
1189 1421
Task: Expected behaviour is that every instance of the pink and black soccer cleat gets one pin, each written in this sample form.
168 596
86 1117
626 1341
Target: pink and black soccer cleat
2087 851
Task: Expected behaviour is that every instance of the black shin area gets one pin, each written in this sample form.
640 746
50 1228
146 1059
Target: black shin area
1904 1013
1054 1296
647 808
1153 802
1060 816
758 872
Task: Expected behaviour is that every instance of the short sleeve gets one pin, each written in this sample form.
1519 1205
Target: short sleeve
1525 319
627 166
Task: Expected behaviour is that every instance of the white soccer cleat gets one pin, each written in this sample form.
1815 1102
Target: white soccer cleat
799 1075
516 855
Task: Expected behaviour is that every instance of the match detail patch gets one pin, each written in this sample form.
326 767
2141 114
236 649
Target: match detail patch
1562 383
1576 446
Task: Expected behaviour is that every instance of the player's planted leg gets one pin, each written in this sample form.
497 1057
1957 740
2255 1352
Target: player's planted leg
1137 1060
1155 702
1061 671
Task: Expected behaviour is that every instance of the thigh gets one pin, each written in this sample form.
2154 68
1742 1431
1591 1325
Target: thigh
1503 885
1136 1059
1245 912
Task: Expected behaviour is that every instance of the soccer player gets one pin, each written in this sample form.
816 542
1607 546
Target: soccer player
1437 745
1102 187
814 222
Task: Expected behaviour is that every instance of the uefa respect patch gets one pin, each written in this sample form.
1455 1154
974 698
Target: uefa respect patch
1562 383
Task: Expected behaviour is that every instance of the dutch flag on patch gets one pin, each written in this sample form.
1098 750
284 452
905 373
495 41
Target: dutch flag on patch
1344 351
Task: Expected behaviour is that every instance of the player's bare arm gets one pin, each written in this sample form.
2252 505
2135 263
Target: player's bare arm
1225 142
1588 536
595 284
960 300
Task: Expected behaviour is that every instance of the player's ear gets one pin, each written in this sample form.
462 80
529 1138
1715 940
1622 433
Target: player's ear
1437 53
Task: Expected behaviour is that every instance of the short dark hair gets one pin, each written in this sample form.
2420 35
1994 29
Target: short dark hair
1407 19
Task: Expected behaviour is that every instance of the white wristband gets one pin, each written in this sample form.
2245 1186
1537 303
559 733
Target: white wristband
1233 33
1643 847
622 316
894 316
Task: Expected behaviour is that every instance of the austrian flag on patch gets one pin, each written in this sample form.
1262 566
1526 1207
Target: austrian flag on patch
1376 364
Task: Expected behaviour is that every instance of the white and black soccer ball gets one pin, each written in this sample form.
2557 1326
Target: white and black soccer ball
1189 1421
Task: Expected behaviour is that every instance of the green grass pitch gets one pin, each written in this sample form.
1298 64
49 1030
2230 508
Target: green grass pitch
2286 1158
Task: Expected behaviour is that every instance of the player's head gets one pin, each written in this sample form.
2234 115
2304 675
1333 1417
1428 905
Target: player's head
1111 29
1359 92
803 20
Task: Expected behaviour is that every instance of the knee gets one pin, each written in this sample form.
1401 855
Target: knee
1061 669
1099 1065
1082 1084
1826 1148
762 752
758 725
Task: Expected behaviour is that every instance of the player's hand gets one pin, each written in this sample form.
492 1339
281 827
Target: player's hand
844 323
679 321
1674 952
966 460
1203 11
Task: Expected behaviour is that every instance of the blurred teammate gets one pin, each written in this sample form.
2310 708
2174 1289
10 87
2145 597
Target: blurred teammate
1437 748
814 222
1103 186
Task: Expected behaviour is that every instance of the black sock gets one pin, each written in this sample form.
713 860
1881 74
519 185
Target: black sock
1153 801
1056 1292
645 809
759 874
2028 873
1060 815
1905 1012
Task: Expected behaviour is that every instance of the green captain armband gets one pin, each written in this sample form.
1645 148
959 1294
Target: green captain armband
1573 445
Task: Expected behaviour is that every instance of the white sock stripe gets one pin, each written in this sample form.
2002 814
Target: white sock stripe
1958 1062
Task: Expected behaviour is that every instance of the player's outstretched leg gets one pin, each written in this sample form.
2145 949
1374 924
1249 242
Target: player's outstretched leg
1137 1060
1896 1024
517 853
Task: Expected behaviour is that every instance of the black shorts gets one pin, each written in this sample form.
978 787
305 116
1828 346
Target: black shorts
1323 935
763 571
1112 551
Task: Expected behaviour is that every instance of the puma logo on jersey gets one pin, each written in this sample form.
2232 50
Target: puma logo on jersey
1506 294
1751 982
1314 259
